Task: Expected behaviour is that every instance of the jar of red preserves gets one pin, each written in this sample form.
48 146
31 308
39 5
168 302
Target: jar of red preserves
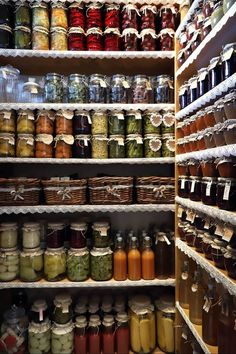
122 333
167 17
94 15
78 235
206 28
111 39
148 16
166 39
77 39
94 39
81 336
200 121
129 17
55 235
77 15
112 18
194 168
148 40
130 39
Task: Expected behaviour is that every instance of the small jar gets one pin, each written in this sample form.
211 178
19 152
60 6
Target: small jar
63 146
64 122
141 89
116 146
129 17
116 123
134 147
201 141
99 123
6 38
23 15
148 40
148 16
25 122
31 235
78 264
152 145
219 112
129 39
44 146
77 15
77 89
55 235
82 123
192 89
206 28
230 105
199 241
62 338
217 13
94 15
166 39
111 39
182 227
54 264
168 145
208 168
206 245
226 167
40 15
101 235
100 147
8 235
39 311
76 39
195 188
226 193
112 18
219 135
101 264
228 59
214 72
229 131
82 147
58 38
227 4
133 122
230 261
78 235
59 15
53 89
9 264
202 82
31 264
183 96
218 249
182 168
119 89
98 89
209 190
152 122
39 337
25 145
44 122
22 37
7 145
183 187
94 39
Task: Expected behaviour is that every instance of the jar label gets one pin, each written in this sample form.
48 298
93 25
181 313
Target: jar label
219 230
139 140
148 85
7 115
65 308
156 119
193 186
67 114
208 189
193 84
207 224
228 233
167 240
121 141
103 83
120 116
182 184
138 115
227 191
227 54
126 84
180 212
190 215
103 231
168 119
194 288
155 144
85 142
41 315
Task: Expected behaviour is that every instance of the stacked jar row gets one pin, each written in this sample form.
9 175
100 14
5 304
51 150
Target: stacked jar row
220 69
203 20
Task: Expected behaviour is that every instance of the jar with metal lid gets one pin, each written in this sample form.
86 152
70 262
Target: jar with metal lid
9 78
7 145
99 123
40 38
228 59
76 38
183 96
148 39
31 92
152 145
7 122
226 167
8 235
116 146
25 122
111 39
44 146
6 38
59 15
116 123
40 15
207 241
141 89
129 16
165 325
58 38
62 338
9 264
63 146
230 105
100 147
22 37
230 261
78 232
134 147
209 190
101 236
218 249
129 39
183 187
227 4
55 235
78 264
152 122
39 311
217 13
54 264
44 123
31 235
81 336
94 39
226 193
119 89
82 147
192 89
22 14
39 337
202 82
166 39
214 72
64 124
53 89
25 145
133 122
101 264
98 89
31 264
82 123
77 90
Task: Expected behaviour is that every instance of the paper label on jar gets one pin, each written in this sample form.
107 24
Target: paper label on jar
126 84
139 140
208 189
34 90
193 186
202 76
121 141
227 191
167 240
193 85
169 119
103 231
184 275
103 83
184 336
67 114
207 224
182 186
41 315
85 142
190 215
30 141
180 212
89 119
120 116
194 288
156 119
138 115
7 115
65 308
219 230
207 304
148 85
227 55
228 233
155 144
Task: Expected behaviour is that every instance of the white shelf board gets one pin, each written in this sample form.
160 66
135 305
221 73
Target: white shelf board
211 95
187 17
87 284
212 211
55 209
218 275
227 150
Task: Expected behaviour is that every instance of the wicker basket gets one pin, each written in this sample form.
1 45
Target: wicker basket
65 192
155 190
111 190
19 191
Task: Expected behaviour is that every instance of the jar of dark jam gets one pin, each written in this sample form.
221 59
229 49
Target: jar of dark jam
226 194
230 261
214 72
5 37
183 187
192 89
199 222
209 168
55 235
163 87
218 249
78 235
207 8
182 229
82 123
209 190
39 311
190 236
183 96
202 82
199 240
207 241
228 59
82 148
195 188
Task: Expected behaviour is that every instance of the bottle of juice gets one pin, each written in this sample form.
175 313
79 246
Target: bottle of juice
148 260
184 285
120 261
134 260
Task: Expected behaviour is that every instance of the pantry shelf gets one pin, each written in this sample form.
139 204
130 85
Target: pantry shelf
212 211
187 17
196 331
87 284
211 95
140 2
56 209
220 276
210 41
227 150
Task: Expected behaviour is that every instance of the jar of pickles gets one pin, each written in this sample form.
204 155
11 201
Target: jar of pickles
40 15
40 38
63 146
62 308
9 264
25 145
31 264
116 123
165 325
39 337
94 39
166 39
119 89
31 235
163 87
217 13
142 89
8 235
111 39
58 38
64 122
53 89
101 234
78 264
99 123
101 264
152 145
54 264
22 37
59 15
129 38
7 145
76 39
62 338
7 122
134 147
116 146
44 122
98 89
133 122
25 122
228 59
168 145
82 123
148 39
77 90
82 147
130 15
100 147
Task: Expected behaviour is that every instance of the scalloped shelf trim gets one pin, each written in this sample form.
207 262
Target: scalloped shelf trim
221 151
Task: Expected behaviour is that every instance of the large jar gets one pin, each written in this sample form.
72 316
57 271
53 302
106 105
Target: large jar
7 122
226 194
82 123
76 39
64 122
134 147
228 59
9 264
63 146
78 232
112 19
116 123
217 13
25 122
25 145
111 39
9 78
101 264
152 122
167 17
101 235
152 145
116 146
78 264
6 37
58 15
23 15
77 90
218 249
40 38
39 337
53 89
163 89
230 261
55 235
81 337
99 123
165 325
142 89
62 340
98 89
133 121
58 38
166 39
31 264
94 15
44 146
62 312
7 145
119 89
40 15
129 38
8 235
162 255
100 147
195 188
22 37
94 39
130 15
31 235
148 40
54 264
214 73
44 122
168 145
82 147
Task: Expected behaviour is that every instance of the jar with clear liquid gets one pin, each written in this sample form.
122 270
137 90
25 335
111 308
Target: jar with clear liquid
184 286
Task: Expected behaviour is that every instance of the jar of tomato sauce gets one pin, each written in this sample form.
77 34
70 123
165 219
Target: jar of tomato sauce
94 335
122 333
108 334
80 337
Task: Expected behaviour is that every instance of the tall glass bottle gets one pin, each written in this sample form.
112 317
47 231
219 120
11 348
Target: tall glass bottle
148 260
120 261
185 341
134 260
210 316
196 298
162 254
184 285
226 327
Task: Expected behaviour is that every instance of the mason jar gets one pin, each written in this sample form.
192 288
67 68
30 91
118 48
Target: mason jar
39 337
134 148
62 312
152 122
25 145
116 146
141 89
116 123
100 147
101 236
101 264
31 264
133 121
163 89
82 147
22 37
119 89
7 122
152 145
9 264
7 145
58 38
78 264
77 90
31 235
98 89
54 264
8 235
44 146
53 89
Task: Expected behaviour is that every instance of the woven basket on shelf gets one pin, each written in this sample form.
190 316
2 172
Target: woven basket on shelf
155 190
110 190
65 192
19 191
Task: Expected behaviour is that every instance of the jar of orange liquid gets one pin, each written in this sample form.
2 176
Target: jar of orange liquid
120 261
134 260
148 260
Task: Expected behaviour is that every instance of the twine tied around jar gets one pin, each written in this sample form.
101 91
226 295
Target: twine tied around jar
146 8
16 193
129 8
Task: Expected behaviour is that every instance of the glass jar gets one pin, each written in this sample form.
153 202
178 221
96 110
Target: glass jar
202 82
116 146
77 90
40 15
116 123
152 122
207 241
55 235
44 146
167 17
31 92
82 147
94 15
80 335
162 254
25 145
227 4
58 15
39 337
31 264
148 40
7 145
163 89
40 38
190 235
208 168
148 16
166 39
9 77
206 28
192 89
129 38
54 264
94 335
62 312
198 18
6 38
111 39
8 235
9 264
133 122
141 89
101 235
182 40
62 338
77 15
22 15
168 145
219 135
99 123
228 59
98 89
214 72
207 8
226 193
134 147
25 122
165 326
31 235
168 122
183 96
64 122
218 249
63 146
209 190
122 333
195 188
94 39
39 311
44 122
183 187
78 264
58 38
5 14
217 13
108 334
229 104
230 261
100 147
82 123
22 37
152 145
53 89
78 235
226 167
112 19
101 264
76 39
129 16
119 89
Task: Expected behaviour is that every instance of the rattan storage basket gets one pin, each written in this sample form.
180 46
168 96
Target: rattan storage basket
19 191
155 190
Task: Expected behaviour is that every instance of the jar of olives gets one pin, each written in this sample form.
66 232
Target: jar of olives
31 264
8 235
77 90
25 122
64 122
25 145
101 234
168 145
116 146
22 37
152 122
133 122
62 308
7 122
82 147
62 338
119 89
63 146
54 264
142 89
82 123
45 122
116 123
152 145
100 147
53 89
7 145
99 123
40 38
58 38
44 146
9 264
98 89
134 147
101 264
78 264
39 337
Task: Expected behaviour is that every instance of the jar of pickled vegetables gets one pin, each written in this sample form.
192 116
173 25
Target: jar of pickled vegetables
22 37
116 146
31 264
63 146
82 147
100 147
99 123
148 39
40 38
59 15
22 14
77 15
58 38
142 89
98 89
168 145
54 264
129 17
101 264
7 122
165 326
39 337
133 122
152 145
82 123
62 308
119 89
53 89
217 13
55 235
62 338
9 264
76 39
111 39
78 264
129 39
77 90
31 235
101 235
7 145
134 147
116 123
25 122
94 39
25 145
166 39
8 235
6 37
40 15
64 124
152 122
44 122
